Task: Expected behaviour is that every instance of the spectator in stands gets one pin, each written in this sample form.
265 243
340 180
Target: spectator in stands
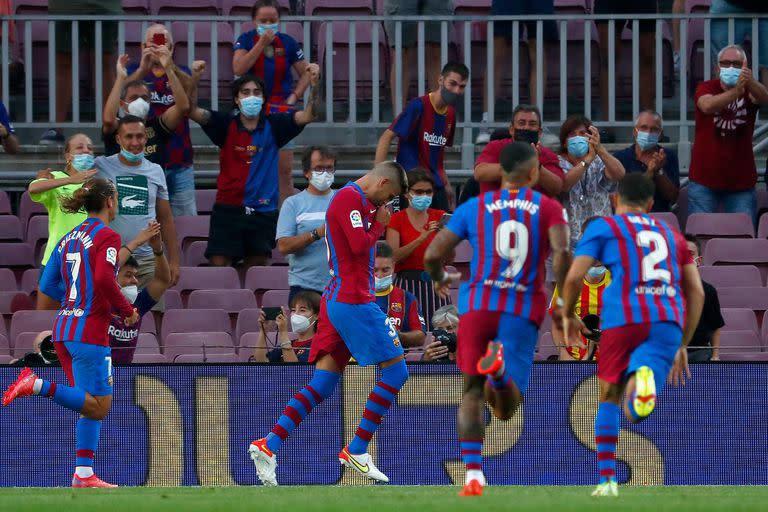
524 127
409 31
502 37
143 196
445 325
7 134
425 127
471 187
301 224
86 42
742 29
272 56
244 218
43 353
305 308
179 171
647 35
400 306
705 344
659 165
591 173
722 161
134 97
409 233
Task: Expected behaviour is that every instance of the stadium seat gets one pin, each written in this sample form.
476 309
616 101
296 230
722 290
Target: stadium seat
29 280
30 321
29 208
148 324
10 300
204 200
278 260
739 319
231 301
275 298
172 299
10 229
7 280
207 278
17 255
724 276
210 342
5 359
546 347
228 357
752 297
668 217
194 254
720 225
729 251
23 343
136 7
738 341
187 7
149 359
37 234
147 344
194 320
5 203
762 227
263 279
190 228
745 356
682 207
764 331
243 7
247 323
5 348
321 8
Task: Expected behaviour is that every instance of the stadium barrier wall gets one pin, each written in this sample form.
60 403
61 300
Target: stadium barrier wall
192 424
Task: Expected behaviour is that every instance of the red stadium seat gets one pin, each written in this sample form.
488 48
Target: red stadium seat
7 280
207 278
194 254
5 203
149 359
11 301
211 342
231 301
190 7
204 200
10 229
194 320
275 298
739 319
147 344
247 322
30 321
723 276
190 228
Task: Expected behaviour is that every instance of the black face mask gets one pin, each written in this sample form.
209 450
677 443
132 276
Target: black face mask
450 98
529 136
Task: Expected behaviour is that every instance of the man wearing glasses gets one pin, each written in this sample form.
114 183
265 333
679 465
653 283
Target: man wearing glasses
722 161
301 224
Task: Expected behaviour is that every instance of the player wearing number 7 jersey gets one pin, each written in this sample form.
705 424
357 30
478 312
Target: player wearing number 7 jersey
503 303
84 260
652 304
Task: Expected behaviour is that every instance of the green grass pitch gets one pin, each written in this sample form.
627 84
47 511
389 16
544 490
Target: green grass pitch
382 498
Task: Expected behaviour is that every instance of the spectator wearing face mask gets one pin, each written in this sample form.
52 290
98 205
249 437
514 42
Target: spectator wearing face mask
305 306
591 173
301 224
409 233
425 128
723 170
705 343
400 306
445 325
658 164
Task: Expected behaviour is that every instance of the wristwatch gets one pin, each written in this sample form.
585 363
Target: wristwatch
315 235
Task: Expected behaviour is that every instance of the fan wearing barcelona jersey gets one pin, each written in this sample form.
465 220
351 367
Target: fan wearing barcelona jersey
652 305
85 258
502 305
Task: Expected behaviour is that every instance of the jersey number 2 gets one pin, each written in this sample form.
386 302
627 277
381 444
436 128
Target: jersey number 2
659 252
512 245
73 259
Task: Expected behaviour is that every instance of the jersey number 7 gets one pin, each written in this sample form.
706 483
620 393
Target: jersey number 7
73 259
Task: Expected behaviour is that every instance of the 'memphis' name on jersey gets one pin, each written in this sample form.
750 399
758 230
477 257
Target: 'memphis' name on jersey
76 235
516 203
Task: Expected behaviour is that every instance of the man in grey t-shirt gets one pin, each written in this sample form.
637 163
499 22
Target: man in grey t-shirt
142 196
301 224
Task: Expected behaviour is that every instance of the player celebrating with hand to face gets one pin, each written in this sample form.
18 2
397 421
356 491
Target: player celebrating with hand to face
653 302
84 260
502 305
350 322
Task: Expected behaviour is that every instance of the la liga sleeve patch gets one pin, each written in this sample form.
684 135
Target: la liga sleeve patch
112 255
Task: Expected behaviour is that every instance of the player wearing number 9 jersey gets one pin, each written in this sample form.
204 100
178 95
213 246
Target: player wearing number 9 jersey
84 261
501 306
653 303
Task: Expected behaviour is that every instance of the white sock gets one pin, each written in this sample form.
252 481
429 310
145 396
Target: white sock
485 117
84 471
37 386
475 474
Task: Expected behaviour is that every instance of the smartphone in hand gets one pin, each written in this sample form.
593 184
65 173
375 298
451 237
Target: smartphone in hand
271 313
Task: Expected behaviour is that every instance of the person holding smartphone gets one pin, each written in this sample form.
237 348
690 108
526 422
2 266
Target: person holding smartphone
305 306
409 234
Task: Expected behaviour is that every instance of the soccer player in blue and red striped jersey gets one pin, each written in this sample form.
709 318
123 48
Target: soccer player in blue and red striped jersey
350 323
512 232
85 261
425 128
653 304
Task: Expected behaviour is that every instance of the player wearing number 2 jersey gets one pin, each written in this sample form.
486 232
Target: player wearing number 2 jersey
501 306
84 260
653 303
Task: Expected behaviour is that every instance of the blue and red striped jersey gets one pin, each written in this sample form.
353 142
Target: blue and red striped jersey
423 134
646 259
509 234
276 69
351 232
402 308
85 261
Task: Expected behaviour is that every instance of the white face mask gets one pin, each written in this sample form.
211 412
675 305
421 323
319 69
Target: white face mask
299 323
130 292
139 108
322 181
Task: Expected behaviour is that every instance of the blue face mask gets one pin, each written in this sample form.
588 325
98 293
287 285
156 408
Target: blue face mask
578 146
647 140
729 76
262 29
130 157
251 106
83 161
383 283
596 271
421 203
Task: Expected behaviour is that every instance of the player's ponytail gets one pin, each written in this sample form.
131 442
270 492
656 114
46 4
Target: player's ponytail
91 197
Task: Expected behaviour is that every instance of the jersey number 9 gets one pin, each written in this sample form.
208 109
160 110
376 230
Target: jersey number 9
512 245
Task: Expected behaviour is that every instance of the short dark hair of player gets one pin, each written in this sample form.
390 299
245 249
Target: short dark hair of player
239 82
325 152
418 175
635 189
264 3
92 196
570 124
692 238
454 66
129 119
392 171
307 298
516 158
384 250
131 262
130 85
526 107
